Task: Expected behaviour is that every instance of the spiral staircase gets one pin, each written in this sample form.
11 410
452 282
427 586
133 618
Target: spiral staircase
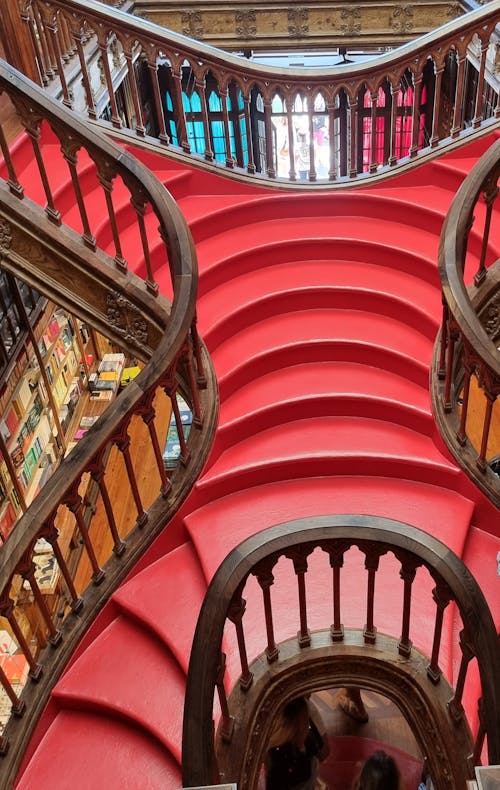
320 312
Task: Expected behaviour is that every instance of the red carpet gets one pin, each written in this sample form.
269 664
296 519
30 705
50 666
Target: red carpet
320 312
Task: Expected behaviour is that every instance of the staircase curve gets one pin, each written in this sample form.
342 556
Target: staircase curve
320 311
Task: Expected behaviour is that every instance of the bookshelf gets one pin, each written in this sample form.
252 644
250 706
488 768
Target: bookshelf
36 411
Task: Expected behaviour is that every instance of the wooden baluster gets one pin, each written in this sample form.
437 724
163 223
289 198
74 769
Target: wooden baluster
67 48
459 109
478 112
452 338
27 571
180 116
455 705
266 580
490 400
28 17
196 406
235 613
50 209
444 340
74 503
185 454
7 611
138 202
407 573
12 182
148 414
336 562
490 195
395 92
123 444
89 96
442 596
436 105
332 175
200 84
139 126
480 735
248 127
106 176
468 370
153 73
42 37
97 470
103 46
300 566
227 722
271 171
312 166
373 159
51 534
223 94
371 565
352 154
415 113
291 142
200 375
18 706
69 150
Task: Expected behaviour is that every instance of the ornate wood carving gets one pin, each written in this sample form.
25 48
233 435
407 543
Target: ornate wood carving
260 26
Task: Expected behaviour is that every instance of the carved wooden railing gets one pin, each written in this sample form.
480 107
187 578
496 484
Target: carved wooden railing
466 365
70 267
309 660
189 97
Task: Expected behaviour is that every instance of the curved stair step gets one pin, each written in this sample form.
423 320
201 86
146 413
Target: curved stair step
307 274
144 601
327 445
441 512
350 326
83 750
128 674
248 261
320 378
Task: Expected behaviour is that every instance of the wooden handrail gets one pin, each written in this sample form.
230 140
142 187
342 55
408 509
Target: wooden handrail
167 341
468 339
334 535
405 95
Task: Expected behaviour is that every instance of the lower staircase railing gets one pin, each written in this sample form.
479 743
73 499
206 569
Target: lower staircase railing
466 365
70 267
439 716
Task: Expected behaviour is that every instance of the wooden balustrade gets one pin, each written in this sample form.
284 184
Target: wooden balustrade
161 332
337 655
307 124
466 363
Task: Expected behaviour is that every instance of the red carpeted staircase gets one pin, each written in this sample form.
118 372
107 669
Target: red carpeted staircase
320 311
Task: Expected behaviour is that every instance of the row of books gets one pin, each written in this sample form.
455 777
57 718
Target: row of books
172 449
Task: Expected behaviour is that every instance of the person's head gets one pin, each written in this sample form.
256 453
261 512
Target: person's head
292 725
379 772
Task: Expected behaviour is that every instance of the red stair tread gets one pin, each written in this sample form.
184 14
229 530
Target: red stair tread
260 282
442 513
309 325
328 437
144 597
127 673
320 378
328 228
85 751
